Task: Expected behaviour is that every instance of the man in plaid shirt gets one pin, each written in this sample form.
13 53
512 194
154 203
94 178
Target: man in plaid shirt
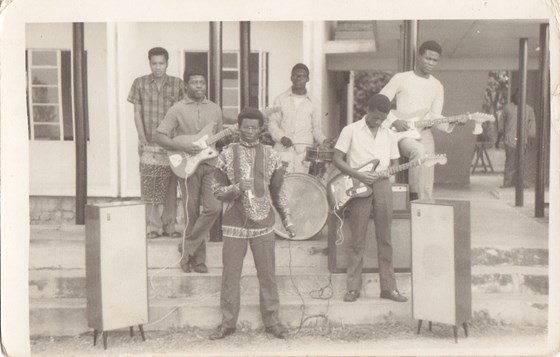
152 96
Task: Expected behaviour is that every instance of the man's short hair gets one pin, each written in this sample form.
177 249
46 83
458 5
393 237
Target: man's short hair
379 102
196 71
430 45
250 113
158 51
300 66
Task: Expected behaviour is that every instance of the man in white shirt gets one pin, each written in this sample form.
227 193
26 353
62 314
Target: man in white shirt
362 142
416 90
297 123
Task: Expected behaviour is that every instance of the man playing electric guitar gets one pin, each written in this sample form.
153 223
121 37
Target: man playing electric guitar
362 142
188 117
416 90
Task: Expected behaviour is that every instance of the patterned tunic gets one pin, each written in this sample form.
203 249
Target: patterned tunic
246 217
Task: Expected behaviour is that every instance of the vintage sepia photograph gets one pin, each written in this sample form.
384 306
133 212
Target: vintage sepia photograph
275 179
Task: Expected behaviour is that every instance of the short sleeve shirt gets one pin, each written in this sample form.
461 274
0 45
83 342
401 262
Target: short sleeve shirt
155 103
360 146
188 117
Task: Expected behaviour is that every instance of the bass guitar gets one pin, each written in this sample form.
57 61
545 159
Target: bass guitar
183 164
416 120
342 188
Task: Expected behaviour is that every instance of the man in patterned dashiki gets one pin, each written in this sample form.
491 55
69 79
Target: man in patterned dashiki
248 180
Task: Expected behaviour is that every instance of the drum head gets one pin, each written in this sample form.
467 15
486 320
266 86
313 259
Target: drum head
307 201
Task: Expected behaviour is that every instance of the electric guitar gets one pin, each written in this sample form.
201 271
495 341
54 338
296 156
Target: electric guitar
342 188
183 164
415 120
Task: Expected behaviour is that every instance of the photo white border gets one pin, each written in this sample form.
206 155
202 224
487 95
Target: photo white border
14 136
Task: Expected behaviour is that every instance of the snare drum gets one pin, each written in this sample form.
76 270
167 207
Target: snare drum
154 174
307 201
318 154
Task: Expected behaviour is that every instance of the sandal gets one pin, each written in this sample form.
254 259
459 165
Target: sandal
176 235
152 235
186 265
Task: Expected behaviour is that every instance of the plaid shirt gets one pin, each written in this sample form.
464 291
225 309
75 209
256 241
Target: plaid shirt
154 103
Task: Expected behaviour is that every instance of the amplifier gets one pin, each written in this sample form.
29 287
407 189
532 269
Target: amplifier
401 199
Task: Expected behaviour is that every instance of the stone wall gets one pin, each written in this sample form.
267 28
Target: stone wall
62 210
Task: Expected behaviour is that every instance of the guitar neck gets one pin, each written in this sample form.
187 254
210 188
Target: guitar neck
222 134
394 170
430 122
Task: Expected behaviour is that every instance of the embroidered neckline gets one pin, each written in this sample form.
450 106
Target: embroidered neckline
249 145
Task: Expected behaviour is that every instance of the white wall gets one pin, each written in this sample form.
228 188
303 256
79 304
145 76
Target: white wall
52 164
283 41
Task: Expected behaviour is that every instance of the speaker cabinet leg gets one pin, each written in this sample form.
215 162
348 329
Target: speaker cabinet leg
142 332
131 331
430 326
105 333
466 330
455 333
95 332
419 327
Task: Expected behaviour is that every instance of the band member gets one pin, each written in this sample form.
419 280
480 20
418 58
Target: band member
297 124
249 181
152 96
508 130
361 142
416 90
188 117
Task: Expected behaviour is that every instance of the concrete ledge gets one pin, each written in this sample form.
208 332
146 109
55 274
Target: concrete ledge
67 317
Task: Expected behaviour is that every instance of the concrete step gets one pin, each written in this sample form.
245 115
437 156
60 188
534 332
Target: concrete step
173 283
67 251
59 317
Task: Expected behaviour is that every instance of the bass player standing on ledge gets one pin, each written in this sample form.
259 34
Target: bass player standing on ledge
188 117
416 90
362 142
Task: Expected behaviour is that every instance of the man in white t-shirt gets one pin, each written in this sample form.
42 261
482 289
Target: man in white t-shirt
362 142
416 90
297 123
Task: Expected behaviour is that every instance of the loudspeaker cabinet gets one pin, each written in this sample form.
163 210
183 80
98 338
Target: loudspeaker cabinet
441 261
116 266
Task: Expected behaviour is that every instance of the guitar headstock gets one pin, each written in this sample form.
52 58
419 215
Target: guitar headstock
481 117
431 160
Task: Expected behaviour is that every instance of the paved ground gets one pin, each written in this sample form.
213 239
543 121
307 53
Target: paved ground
390 338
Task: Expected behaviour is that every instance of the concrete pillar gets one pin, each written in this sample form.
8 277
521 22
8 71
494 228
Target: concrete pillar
79 120
543 121
521 117
244 51
215 57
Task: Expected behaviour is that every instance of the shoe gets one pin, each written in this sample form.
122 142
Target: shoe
393 295
277 331
152 235
222 332
176 235
201 268
351 295
186 265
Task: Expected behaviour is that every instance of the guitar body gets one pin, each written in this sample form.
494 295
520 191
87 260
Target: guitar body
342 188
183 164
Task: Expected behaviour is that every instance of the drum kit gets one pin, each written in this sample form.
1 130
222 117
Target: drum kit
307 195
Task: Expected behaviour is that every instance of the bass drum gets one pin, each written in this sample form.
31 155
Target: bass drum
307 201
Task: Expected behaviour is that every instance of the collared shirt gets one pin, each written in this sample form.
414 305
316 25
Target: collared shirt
155 103
360 146
508 124
188 117
302 124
